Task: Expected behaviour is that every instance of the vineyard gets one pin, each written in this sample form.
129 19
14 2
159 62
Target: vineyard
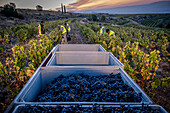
160 21
141 49
20 60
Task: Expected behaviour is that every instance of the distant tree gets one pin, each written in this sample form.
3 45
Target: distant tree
10 11
103 18
94 17
9 7
64 9
160 25
13 5
168 26
121 17
39 8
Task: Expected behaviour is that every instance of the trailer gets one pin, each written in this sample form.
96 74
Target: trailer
68 59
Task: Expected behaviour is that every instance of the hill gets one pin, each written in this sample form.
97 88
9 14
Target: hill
33 16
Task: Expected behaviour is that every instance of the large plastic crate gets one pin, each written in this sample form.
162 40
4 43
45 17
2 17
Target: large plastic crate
154 107
48 74
92 59
79 47
82 58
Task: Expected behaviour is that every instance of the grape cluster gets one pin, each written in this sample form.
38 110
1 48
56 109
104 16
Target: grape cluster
85 88
80 109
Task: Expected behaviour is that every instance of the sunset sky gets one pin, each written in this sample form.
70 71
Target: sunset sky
77 5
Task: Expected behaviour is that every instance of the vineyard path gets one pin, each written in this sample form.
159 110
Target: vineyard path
76 36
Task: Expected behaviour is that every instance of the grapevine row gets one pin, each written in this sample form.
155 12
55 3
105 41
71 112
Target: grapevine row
127 47
22 60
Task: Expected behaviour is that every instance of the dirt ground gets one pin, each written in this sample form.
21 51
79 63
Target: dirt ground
76 36
162 97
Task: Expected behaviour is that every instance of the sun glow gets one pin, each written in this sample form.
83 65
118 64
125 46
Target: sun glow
99 4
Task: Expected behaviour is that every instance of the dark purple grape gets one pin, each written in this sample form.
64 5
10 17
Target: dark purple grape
85 88
79 109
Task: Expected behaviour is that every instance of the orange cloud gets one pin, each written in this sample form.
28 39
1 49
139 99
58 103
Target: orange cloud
99 4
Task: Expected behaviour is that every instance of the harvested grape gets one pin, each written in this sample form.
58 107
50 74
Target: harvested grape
85 88
80 109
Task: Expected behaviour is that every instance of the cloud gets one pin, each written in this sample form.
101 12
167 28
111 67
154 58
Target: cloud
80 5
77 5
32 3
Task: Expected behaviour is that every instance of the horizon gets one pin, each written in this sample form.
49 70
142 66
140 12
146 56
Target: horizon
78 5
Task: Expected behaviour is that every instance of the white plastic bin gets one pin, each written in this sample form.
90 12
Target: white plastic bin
48 74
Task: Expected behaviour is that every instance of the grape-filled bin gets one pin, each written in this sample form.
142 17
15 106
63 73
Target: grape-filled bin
90 108
115 88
